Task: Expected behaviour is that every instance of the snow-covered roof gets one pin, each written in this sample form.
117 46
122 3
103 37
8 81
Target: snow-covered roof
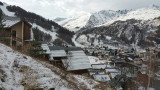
46 48
98 66
95 60
10 21
111 70
101 77
74 48
56 48
57 53
77 60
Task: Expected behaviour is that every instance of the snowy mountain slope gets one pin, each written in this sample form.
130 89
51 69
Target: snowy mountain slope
5 11
52 33
18 71
104 16
90 20
74 24
136 28
13 14
148 13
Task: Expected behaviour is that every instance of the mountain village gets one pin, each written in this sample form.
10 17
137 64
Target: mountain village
112 65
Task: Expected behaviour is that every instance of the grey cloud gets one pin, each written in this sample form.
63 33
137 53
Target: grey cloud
63 8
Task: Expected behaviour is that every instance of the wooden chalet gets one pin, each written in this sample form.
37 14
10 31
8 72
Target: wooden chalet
18 32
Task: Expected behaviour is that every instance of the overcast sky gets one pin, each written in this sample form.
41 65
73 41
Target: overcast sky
68 8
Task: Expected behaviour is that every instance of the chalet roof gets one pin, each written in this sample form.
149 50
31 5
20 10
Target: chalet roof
98 66
77 60
73 48
43 42
57 53
101 77
56 48
11 21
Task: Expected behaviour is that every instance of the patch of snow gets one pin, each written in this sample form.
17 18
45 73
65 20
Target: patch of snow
9 23
52 32
76 43
5 11
12 62
108 37
95 60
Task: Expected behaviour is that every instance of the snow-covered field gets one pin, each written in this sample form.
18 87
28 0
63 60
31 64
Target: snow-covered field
18 71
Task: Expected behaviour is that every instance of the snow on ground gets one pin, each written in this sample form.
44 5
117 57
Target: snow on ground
89 82
95 60
82 39
52 32
75 42
18 71
18 68
5 11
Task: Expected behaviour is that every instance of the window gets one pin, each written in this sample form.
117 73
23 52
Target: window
14 33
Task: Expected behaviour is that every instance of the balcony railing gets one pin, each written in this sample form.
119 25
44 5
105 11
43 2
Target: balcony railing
17 39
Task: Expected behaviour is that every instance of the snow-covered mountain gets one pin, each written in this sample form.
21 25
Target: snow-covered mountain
90 20
13 14
138 28
104 16
74 23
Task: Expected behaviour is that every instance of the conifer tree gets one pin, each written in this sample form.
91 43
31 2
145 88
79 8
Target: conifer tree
1 20
35 50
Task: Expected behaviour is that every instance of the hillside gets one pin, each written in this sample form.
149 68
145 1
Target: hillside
18 71
138 28
13 14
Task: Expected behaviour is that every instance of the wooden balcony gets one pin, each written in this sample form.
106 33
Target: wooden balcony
17 39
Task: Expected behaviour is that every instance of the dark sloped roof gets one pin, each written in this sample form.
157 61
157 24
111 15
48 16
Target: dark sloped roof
56 48
43 42
63 48
74 48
